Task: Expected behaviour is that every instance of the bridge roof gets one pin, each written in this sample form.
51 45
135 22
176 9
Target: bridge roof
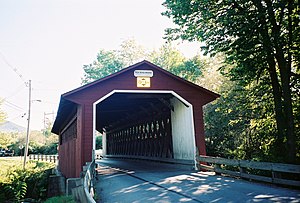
135 66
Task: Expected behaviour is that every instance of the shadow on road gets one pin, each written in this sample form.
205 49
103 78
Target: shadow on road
140 181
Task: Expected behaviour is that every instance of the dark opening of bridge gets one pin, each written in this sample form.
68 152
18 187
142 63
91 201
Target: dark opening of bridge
152 125
137 124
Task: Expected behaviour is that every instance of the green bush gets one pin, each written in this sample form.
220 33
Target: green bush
61 199
17 184
44 149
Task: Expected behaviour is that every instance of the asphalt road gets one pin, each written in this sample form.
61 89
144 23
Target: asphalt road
138 181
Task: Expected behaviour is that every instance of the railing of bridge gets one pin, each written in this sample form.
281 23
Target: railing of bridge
278 173
82 189
42 157
88 185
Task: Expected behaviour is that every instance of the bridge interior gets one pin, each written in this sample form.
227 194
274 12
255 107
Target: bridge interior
136 124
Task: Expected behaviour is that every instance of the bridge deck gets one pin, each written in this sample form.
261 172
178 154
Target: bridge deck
140 181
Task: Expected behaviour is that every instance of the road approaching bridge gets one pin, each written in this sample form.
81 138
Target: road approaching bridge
141 181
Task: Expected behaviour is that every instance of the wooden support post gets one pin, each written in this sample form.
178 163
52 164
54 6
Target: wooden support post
217 169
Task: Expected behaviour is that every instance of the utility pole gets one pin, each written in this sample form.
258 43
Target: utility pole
28 123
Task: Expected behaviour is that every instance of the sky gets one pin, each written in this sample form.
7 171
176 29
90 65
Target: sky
49 41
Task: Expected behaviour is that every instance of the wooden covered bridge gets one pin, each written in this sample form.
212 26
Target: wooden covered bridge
143 111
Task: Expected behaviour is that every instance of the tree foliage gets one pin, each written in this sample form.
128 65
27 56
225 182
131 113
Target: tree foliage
241 123
259 39
108 62
39 142
167 57
99 142
131 52
171 59
17 184
7 139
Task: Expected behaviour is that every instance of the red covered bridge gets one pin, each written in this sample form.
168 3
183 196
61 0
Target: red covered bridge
143 111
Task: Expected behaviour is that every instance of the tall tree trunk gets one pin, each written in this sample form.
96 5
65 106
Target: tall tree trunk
279 116
276 88
291 136
291 123
285 76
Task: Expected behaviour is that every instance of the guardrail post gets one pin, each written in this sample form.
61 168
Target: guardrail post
241 169
275 174
217 168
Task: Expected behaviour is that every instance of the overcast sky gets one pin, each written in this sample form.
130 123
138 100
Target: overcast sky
49 41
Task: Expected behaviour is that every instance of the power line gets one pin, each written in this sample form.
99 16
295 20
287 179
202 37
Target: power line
13 69
12 105
19 116
21 87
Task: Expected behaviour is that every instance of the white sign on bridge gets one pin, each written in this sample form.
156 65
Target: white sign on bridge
143 73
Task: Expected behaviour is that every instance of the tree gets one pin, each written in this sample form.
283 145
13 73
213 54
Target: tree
212 78
171 59
107 62
6 139
99 142
131 52
191 69
241 123
257 36
167 57
111 61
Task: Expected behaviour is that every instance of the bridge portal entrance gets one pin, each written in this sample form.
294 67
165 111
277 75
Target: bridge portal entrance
143 112
155 125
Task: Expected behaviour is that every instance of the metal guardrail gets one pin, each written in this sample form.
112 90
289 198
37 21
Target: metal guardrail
82 189
88 184
278 171
42 157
